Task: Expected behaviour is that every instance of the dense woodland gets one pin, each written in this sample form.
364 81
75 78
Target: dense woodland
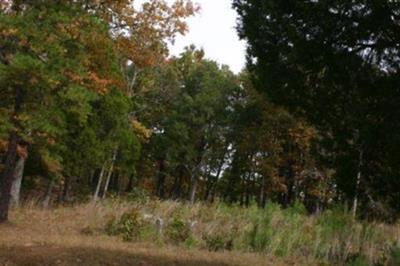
92 106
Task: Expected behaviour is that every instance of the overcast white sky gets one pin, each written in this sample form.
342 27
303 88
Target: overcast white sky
214 31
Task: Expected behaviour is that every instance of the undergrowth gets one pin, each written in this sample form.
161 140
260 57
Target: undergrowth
333 237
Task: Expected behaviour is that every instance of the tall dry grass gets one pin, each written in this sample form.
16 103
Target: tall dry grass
57 236
333 238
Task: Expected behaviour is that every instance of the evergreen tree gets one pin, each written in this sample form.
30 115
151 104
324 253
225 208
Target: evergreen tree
335 63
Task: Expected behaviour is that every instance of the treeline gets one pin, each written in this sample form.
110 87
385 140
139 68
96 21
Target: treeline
336 64
92 106
68 86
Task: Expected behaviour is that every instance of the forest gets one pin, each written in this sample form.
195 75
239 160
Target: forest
94 111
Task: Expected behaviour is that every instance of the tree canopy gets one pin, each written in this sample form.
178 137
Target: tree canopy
336 63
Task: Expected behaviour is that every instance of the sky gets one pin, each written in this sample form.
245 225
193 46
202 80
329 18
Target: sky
213 29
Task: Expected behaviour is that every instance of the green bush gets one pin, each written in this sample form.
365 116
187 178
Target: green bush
395 256
191 241
138 195
216 242
266 226
298 208
337 234
259 239
177 231
357 260
128 226
279 232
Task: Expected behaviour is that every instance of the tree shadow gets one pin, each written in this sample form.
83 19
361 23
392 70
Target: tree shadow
49 255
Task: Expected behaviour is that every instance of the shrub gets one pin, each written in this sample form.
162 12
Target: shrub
297 209
191 242
357 260
138 195
149 232
177 231
129 225
216 242
395 256
266 226
336 235
258 239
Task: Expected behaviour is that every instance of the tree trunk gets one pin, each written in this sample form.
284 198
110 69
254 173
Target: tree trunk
230 193
209 183
99 181
115 183
129 187
193 188
11 159
8 176
107 183
194 180
242 192
161 179
91 177
263 199
16 185
137 177
212 195
358 181
318 208
49 192
66 188
215 180
176 192
289 194
247 197
110 172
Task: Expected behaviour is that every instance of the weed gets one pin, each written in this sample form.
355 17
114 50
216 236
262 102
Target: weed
177 231
129 225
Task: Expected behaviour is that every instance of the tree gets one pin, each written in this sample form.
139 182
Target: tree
45 60
187 108
337 74
271 151
71 55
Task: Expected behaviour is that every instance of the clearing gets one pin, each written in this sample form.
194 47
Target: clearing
53 237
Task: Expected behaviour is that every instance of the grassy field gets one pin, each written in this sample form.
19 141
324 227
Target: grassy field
54 237
169 233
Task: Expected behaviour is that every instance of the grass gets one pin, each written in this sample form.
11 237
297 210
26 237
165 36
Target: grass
57 237
171 233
